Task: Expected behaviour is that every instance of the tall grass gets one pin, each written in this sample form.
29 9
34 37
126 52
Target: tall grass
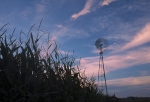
27 76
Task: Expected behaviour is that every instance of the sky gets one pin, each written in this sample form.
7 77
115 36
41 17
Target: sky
76 24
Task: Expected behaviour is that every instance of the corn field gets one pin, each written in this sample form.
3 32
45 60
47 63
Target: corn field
27 76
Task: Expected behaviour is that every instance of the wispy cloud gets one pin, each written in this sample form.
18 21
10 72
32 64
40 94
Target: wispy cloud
65 33
84 11
88 7
40 8
126 58
59 33
131 81
59 25
131 86
25 13
114 62
141 37
65 52
106 2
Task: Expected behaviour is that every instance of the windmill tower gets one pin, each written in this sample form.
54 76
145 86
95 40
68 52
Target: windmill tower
101 45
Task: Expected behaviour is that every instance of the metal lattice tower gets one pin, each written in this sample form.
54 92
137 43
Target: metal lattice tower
101 44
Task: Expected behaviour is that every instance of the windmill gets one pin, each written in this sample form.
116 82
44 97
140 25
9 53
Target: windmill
101 44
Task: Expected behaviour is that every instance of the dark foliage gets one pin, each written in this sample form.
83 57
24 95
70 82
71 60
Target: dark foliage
27 76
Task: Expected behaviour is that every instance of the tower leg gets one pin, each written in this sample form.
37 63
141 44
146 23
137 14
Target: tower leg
101 73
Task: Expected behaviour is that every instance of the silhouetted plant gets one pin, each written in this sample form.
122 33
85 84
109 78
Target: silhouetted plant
26 75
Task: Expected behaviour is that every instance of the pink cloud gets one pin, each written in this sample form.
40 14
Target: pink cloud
54 38
114 62
141 37
106 2
84 11
131 81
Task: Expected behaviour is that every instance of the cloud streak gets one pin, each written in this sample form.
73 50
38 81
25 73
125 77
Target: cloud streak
84 11
63 33
126 59
132 86
141 38
59 25
65 52
131 81
106 2
88 6
115 62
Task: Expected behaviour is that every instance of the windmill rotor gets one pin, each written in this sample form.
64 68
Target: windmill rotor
101 44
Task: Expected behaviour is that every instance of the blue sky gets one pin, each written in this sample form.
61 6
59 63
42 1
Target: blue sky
76 24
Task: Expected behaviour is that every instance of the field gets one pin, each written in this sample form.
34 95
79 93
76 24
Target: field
135 99
32 72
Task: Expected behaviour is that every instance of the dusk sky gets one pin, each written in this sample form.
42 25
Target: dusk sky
76 24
